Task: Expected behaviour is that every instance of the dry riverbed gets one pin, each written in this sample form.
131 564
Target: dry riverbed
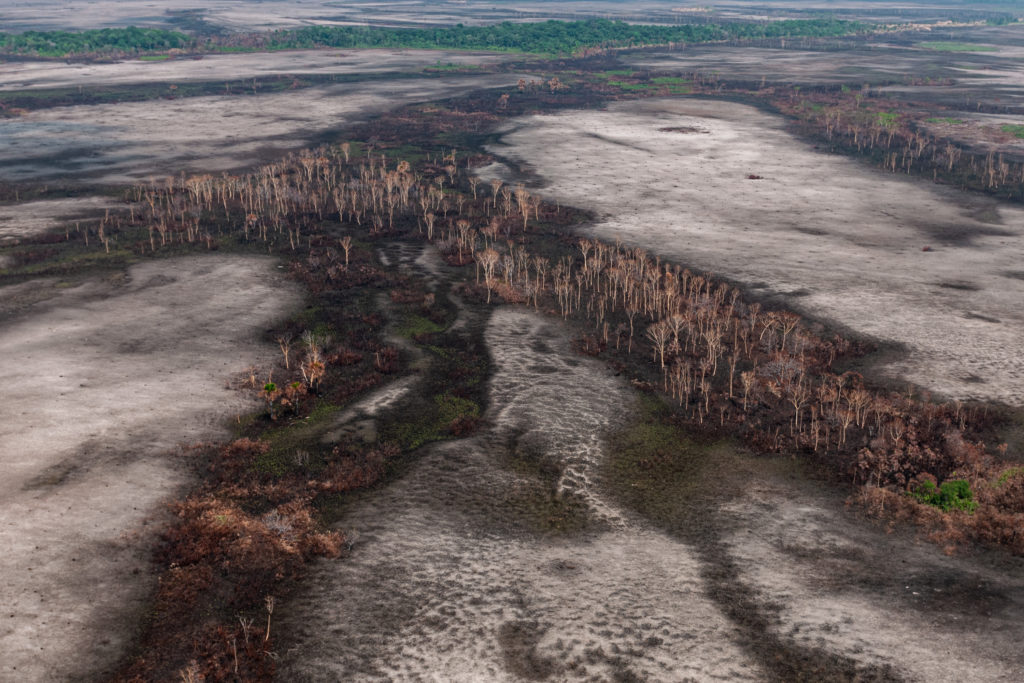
111 377
453 575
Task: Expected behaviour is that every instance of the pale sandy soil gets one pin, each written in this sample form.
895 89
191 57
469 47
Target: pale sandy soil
228 67
444 582
33 218
835 238
850 588
135 141
448 581
790 65
110 378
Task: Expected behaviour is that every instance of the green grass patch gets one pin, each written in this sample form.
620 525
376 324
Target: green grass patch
431 423
1014 129
661 471
451 408
297 446
154 58
952 46
615 73
946 119
450 67
535 500
416 325
662 84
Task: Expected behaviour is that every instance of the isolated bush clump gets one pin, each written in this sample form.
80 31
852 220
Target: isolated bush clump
954 494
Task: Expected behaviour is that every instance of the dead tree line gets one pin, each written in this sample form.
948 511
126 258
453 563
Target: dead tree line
722 360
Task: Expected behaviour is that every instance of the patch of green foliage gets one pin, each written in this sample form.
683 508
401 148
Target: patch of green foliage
952 46
536 500
954 494
449 66
1014 129
546 37
660 470
550 37
887 119
131 40
946 119
450 408
415 325
674 86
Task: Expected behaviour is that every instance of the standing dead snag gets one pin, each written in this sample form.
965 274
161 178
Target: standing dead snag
523 202
488 259
313 366
659 333
285 343
269 601
346 245
495 186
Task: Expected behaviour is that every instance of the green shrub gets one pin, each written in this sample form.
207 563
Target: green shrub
954 494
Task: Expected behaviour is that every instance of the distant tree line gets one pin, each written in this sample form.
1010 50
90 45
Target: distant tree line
130 40
551 37
548 37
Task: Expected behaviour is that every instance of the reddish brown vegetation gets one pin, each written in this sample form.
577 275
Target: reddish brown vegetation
236 541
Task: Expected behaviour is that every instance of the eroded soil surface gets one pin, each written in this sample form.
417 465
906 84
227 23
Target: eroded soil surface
110 378
891 258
